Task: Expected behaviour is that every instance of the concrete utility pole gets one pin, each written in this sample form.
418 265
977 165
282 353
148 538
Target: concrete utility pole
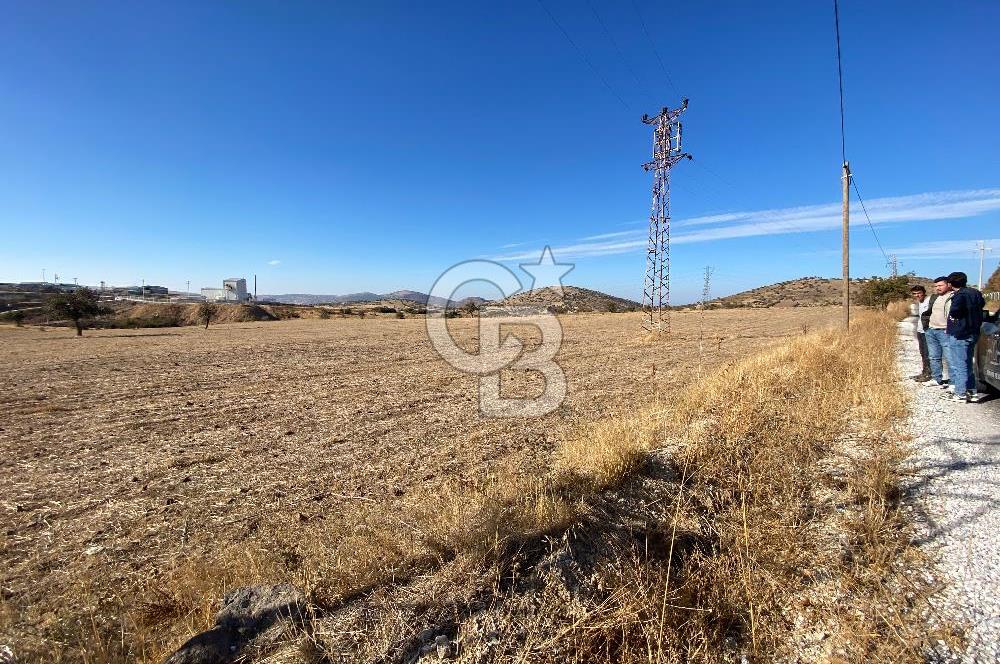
982 249
43 275
187 288
846 245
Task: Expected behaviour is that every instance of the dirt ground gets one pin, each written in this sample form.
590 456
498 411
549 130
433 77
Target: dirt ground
124 449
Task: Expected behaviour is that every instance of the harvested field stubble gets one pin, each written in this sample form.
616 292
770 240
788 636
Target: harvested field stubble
343 456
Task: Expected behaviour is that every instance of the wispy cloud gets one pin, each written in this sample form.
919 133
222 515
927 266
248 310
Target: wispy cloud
274 262
605 236
943 249
802 219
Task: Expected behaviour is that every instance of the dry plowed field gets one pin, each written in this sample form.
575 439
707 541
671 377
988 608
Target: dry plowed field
124 450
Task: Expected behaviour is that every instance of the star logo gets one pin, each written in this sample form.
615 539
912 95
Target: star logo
547 272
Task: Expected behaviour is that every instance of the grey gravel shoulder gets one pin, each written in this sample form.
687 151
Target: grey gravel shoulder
956 483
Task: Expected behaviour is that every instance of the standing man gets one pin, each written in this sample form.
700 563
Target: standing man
919 306
965 318
935 321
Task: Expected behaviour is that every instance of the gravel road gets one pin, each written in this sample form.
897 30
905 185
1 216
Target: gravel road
957 462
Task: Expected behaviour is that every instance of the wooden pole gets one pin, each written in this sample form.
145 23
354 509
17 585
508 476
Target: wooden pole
846 245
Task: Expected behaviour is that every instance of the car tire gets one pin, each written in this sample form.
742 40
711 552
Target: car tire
981 385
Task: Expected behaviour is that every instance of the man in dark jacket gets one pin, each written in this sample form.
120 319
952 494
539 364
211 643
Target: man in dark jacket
965 318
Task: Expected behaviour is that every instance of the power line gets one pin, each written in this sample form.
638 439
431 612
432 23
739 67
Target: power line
614 42
583 55
653 45
854 181
840 78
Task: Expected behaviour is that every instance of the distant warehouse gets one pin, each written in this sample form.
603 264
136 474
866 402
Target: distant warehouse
146 290
233 290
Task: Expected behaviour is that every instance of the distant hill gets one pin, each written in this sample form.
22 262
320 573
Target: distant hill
572 300
415 296
803 292
308 298
365 297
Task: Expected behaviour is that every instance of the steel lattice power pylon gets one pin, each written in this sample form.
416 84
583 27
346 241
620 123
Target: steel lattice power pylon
666 153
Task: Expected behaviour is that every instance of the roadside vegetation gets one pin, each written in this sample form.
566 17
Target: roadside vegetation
879 292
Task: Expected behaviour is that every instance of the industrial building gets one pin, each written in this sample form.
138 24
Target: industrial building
233 290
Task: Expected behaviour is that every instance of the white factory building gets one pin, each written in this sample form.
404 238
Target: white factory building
233 290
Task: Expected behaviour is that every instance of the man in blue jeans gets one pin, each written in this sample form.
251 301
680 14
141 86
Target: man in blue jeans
965 318
936 324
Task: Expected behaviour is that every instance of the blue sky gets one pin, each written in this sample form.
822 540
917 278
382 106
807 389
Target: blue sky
337 147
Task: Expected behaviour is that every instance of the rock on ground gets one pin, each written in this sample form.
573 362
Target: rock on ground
246 613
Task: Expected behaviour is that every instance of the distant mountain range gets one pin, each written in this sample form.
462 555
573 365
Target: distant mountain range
365 296
572 299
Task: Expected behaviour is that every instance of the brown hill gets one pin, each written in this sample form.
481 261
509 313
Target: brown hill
573 299
803 292
176 315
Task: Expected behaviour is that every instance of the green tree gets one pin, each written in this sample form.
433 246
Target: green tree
17 315
76 306
879 292
206 312
993 284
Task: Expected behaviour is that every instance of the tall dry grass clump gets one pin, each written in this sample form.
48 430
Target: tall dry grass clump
786 538
603 454
898 309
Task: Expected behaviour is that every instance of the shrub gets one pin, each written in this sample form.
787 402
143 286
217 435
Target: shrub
879 292
206 312
993 284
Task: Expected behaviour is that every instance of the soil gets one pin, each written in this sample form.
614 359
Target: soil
124 448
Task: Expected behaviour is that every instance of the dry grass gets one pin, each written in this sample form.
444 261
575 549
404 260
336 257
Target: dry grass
748 512
607 452
898 309
782 537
